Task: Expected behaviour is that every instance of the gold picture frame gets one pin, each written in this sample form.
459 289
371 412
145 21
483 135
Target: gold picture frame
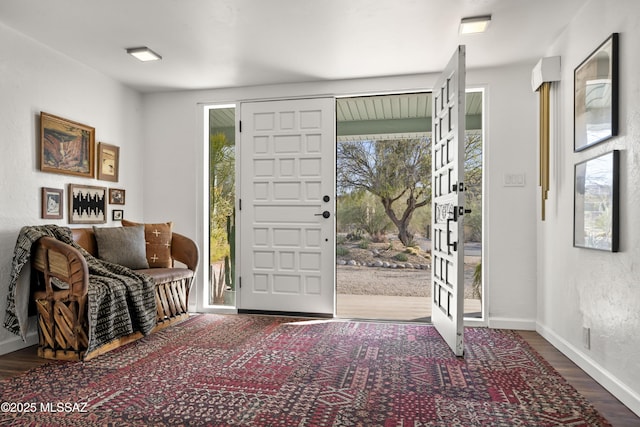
66 147
108 162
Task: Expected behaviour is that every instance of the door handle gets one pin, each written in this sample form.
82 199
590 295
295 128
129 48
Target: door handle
325 214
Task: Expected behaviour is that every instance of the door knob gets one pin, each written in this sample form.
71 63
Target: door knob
325 214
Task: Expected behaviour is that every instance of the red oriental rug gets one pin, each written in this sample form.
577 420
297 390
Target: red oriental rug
262 371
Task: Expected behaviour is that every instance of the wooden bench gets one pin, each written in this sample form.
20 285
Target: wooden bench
62 313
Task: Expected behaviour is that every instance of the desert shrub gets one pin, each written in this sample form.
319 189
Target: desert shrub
342 251
412 250
355 235
378 237
364 244
401 257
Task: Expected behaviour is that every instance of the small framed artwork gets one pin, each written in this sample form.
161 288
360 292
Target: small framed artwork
116 196
117 214
596 96
596 203
52 203
108 162
66 147
87 204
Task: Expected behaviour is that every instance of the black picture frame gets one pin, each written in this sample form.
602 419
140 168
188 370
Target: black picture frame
596 87
596 222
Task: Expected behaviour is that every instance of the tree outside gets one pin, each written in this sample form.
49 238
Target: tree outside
394 177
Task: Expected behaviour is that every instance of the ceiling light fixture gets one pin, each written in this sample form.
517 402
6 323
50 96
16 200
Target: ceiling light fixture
143 53
474 24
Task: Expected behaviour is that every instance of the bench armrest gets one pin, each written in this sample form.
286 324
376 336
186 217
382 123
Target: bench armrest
57 259
184 250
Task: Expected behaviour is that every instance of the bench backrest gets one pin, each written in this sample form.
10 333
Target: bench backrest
85 238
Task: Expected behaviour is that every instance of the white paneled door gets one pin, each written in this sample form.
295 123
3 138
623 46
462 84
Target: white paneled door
447 272
287 196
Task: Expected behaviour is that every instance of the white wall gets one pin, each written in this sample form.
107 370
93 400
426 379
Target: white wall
174 174
34 78
584 288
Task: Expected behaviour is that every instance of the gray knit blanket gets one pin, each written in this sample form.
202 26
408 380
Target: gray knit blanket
120 301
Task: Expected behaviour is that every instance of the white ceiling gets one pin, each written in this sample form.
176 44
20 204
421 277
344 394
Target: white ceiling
226 43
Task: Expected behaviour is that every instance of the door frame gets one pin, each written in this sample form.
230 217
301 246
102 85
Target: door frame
200 305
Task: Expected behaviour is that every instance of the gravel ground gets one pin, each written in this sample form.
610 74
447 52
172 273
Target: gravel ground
360 280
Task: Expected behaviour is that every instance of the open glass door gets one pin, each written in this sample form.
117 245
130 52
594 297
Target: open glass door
448 211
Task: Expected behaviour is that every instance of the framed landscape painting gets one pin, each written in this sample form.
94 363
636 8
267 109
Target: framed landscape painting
66 147
596 203
596 96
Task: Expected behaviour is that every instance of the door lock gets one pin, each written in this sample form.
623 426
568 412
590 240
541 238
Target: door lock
325 214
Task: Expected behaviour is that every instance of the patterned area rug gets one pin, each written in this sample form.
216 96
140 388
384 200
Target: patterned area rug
263 371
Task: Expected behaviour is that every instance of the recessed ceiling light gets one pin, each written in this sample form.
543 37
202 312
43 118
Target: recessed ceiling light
143 53
474 24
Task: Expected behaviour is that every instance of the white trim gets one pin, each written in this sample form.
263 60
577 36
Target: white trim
15 343
606 379
512 323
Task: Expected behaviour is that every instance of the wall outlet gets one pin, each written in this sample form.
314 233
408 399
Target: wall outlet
586 337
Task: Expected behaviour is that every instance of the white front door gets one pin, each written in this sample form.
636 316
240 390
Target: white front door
287 196
447 272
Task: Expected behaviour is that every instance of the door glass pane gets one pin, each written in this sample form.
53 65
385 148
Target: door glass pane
222 133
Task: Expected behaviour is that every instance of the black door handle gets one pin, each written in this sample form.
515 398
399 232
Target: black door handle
325 214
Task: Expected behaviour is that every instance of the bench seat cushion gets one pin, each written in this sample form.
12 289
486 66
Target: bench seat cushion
166 275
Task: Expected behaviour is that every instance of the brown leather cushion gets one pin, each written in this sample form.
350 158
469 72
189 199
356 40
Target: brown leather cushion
85 238
158 239
166 275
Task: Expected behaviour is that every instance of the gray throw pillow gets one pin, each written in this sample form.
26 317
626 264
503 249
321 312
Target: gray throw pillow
122 245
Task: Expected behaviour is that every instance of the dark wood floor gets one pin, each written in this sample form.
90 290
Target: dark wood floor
619 415
610 407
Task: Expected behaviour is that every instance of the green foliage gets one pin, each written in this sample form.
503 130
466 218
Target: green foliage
221 194
342 251
477 281
394 171
364 244
230 260
401 257
397 174
360 212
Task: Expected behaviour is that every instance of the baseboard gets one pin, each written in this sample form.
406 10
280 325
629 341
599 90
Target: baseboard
512 323
15 343
606 379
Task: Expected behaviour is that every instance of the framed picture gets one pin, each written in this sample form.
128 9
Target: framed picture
52 203
117 214
116 196
596 203
108 162
596 96
87 204
66 147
